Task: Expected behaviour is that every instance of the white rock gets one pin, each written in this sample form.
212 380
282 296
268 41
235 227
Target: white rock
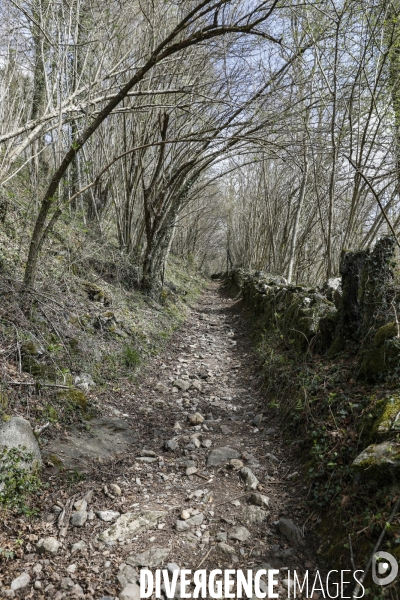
49 544
20 582
115 489
81 545
130 592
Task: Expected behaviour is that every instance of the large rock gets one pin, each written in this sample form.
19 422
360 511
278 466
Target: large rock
220 456
154 557
380 461
102 443
17 432
129 524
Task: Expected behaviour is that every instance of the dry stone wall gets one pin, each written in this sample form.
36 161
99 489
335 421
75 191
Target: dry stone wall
357 313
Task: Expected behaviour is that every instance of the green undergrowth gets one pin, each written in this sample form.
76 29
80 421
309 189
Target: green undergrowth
19 483
87 316
329 416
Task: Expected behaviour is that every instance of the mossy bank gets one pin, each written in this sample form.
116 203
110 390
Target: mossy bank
340 415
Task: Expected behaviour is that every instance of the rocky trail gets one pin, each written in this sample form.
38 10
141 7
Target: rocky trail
206 479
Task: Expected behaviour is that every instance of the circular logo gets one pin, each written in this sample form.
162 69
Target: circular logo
384 568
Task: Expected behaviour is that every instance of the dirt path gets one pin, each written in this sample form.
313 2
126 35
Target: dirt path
224 526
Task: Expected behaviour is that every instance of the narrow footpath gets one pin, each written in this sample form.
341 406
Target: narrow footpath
211 483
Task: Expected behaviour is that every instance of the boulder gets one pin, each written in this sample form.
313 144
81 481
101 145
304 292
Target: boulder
380 461
105 439
17 432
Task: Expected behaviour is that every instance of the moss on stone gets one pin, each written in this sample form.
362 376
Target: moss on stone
390 330
380 462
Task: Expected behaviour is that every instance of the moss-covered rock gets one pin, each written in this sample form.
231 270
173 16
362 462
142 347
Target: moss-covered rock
379 360
382 419
390 330
97 294
380 461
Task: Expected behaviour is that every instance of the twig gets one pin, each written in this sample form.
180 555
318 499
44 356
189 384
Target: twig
63 519
51 385
203 559
378 543
232 499
351 554
203 476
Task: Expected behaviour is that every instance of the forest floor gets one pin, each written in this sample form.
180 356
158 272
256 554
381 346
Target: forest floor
222 527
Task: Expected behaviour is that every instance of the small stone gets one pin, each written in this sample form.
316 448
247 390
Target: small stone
222 536
185 514
289 530
173 567
66 583
257 420
226 549
181 384
259 499
80 505
130 592
79 518
196 419
49 545
115 489
196 385
146 459
37 585
171 445
225 430
239 533
8 593
249 478
127 575
272 458
195 520
161 387
71 568
20 582
196 442
77 590
107 515
206 443
236 464
191 471
56 509
291 476
182 526
78 546
148 453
